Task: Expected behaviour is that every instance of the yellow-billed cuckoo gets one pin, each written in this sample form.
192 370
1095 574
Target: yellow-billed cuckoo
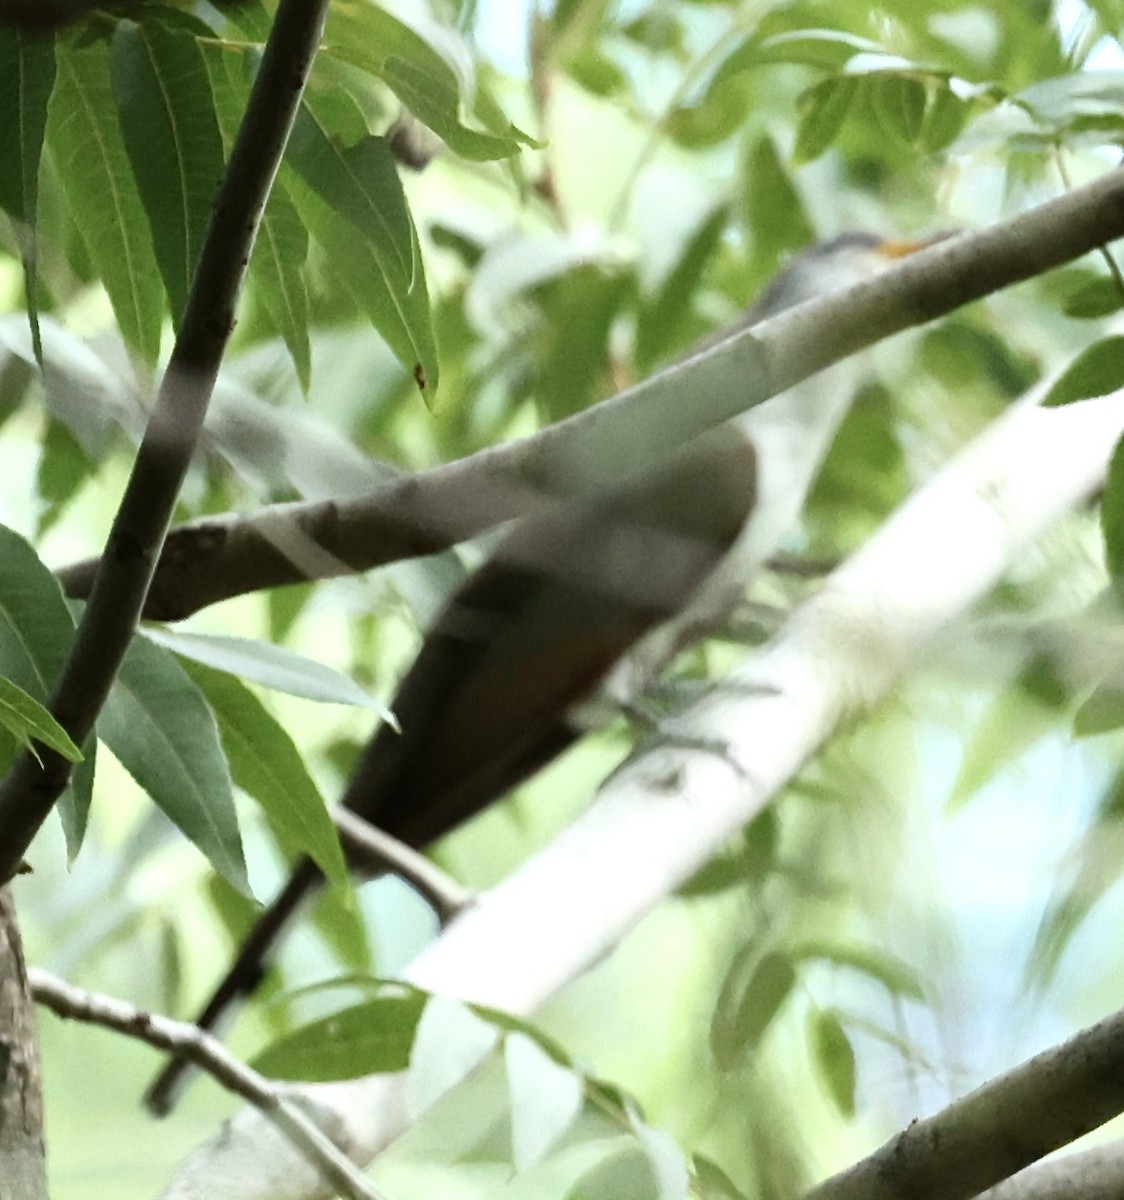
598 593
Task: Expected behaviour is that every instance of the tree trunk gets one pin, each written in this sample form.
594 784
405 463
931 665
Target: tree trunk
23 1171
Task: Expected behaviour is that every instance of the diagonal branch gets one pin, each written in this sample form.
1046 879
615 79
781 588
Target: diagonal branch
217 558
840 653
33 784
77 1004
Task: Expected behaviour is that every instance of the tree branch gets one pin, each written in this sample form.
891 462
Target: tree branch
839 653
214 559
33 784
208 1053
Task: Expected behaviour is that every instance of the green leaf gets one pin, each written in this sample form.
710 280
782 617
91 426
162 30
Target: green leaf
1022 714
27 719
772 211
895 975
749 1002
1112 518
166 109
822 109
162 731
1090 871
36 632
665 1160
659 320
360 185
421 77
270 666
834 1055
546 1100
1098 297
281 249
899 103
89 153
27 76
265 763
374 1037
627 1172
1096 371
1101 712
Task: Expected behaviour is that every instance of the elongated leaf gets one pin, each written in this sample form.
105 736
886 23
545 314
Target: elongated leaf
1096 371
164 102
281 249
422 78
89 154
402 317
752 995
36 631
359 184
1112 518
161 729
373 1037
270 665
894 974
27 75
834 1055
26 719
546 1100
265 763
823 109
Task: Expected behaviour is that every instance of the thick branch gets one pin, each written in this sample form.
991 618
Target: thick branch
32 785
839 653
217 558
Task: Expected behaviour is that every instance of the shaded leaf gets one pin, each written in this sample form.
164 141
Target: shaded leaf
166 109
834 1055
93 166
27 76
266 764
626 1172
1112 518
162 731
749 1002
1096 371
369 1038
822 109
660 319
362 193
896 976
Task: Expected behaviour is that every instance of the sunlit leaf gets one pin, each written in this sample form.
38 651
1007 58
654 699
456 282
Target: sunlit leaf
28 722
270 665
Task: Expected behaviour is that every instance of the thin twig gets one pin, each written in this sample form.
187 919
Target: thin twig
378 850
30 788
208 1053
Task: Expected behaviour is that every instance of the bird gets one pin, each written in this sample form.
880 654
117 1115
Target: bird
592 596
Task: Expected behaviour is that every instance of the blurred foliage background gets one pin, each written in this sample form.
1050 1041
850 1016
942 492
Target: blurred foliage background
588 187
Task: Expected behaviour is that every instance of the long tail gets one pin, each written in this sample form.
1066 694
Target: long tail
243 977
